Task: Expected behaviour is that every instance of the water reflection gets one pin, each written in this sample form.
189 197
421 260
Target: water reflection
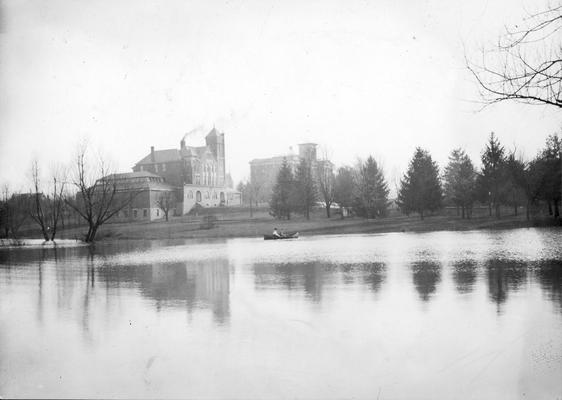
464 275
549 273
191 285
311 277
504 276
426 275
212 314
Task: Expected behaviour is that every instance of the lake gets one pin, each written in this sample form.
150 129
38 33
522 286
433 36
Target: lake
447 315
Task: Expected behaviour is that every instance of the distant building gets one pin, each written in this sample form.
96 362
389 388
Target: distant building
188 165
145 189
197 173
264 171
194 175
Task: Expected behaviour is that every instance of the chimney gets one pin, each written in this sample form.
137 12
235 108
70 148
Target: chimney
182 143
152 158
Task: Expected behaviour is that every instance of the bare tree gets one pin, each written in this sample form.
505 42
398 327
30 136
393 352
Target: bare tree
166 202
526 63
37 213
98 197
47 208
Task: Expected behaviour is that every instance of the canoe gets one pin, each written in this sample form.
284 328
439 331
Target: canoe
287 235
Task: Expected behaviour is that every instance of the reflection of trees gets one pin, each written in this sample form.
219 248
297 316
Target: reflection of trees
464 275
307 276
549 274
426 275
504 276
311 277
200 284
374 275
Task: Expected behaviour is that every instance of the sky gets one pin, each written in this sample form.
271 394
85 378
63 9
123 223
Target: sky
357 77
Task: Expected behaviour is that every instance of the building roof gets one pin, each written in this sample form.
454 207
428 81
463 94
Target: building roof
138 180
131 175
161 156
276 159
170 155
213 132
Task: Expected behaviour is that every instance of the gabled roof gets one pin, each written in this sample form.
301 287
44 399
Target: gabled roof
213 132
131 175
162 156
188 152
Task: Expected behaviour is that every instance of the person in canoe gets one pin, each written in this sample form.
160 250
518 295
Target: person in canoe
276 234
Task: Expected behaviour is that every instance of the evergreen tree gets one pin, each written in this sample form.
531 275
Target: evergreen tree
280 205
420 188
344 188
460 181
493 175
305 190
371 190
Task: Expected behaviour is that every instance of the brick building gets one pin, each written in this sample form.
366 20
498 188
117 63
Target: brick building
145 189
190 175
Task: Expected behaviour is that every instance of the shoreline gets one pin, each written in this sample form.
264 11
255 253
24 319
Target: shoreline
240 226
243 228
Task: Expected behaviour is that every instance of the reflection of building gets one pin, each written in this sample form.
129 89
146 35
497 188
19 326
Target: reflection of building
212 286
263 171
199 285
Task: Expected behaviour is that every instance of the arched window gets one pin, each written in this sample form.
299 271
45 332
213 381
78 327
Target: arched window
198 196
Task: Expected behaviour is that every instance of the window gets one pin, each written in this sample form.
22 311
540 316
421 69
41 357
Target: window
135 213
190 194
157 212
163 167
156 167
126 214
145 213
198 196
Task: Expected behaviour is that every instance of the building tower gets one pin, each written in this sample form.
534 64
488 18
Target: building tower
215 141
308 151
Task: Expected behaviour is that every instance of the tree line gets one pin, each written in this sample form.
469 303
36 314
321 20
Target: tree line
85 190
504 179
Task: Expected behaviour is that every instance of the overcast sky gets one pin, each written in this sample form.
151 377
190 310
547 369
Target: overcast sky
358 77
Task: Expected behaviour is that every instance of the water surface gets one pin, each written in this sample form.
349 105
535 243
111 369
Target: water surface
468 315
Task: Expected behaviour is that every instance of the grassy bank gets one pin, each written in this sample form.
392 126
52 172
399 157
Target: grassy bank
239 224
